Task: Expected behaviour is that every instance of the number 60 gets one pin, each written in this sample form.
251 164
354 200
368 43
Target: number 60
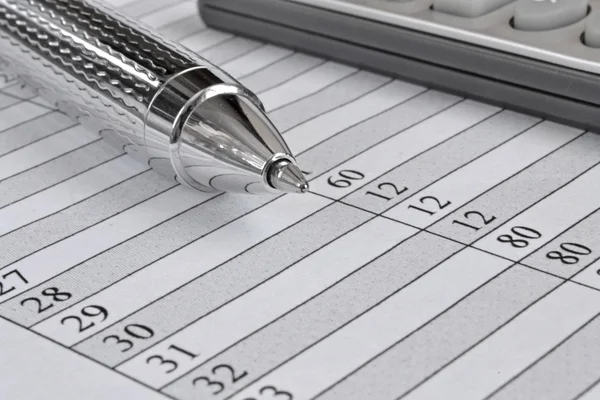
346 178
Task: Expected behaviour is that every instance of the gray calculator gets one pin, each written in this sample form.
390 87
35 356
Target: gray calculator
537 56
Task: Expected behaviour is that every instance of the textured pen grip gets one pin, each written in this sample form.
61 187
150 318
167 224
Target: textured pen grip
157 100
96 65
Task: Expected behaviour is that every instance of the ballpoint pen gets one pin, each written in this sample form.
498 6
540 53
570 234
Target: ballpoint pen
157 100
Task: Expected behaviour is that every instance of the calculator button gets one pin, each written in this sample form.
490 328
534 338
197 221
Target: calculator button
592 30
468 8
543 15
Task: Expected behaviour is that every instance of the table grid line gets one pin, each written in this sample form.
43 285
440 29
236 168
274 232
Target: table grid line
50 111
586 390
538 360
345 103
50 160
242 54
30 99
356 316
518 262
189 35
375 215
451 171
63 180
275 62
324 140
294 76
445 365
321 90
85 357
39 140
298 306
464 244
214 45
414 331
112 247
364 120
73 204
161 8
86 228
334 167
155 261
385 139
251 288
175 22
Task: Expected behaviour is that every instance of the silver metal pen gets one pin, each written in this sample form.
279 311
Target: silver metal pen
156 99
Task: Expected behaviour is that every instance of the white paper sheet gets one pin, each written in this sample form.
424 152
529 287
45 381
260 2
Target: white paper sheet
459 262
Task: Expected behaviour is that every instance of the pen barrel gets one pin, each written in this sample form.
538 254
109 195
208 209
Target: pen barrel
112 74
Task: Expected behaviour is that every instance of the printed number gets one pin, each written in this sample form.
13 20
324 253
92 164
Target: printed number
134 331
391 193
485 221
89 312
218 385
523 232
271 392
161 361
15 275
346 178
572 248
436 203
53 293
172 363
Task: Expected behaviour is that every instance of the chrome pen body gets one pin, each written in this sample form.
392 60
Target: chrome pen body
160 102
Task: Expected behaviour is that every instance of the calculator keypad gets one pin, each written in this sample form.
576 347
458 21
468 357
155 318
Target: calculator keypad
553 31
592 30
468 8
543 15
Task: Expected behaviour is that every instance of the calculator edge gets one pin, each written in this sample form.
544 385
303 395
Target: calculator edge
535 87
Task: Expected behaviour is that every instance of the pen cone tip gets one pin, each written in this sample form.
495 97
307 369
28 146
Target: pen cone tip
287 177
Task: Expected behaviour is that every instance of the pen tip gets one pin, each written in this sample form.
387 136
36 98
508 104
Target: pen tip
287 177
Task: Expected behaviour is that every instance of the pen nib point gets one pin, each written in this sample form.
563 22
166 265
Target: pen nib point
286 177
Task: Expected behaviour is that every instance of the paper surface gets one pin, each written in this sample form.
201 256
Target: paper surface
447 251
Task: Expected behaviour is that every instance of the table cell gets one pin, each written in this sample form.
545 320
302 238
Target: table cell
571 251
548 218
304 85
423 170
227 282
230 50
344 92
140 250
400 147
454 190
23 355
313 370
43 150
320 316
589 276
256 60
521 191
348 121
412 360
68 193
159 278
553 377
248 313
273 74
86 243
538 330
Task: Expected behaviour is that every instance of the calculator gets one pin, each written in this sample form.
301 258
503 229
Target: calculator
537 56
